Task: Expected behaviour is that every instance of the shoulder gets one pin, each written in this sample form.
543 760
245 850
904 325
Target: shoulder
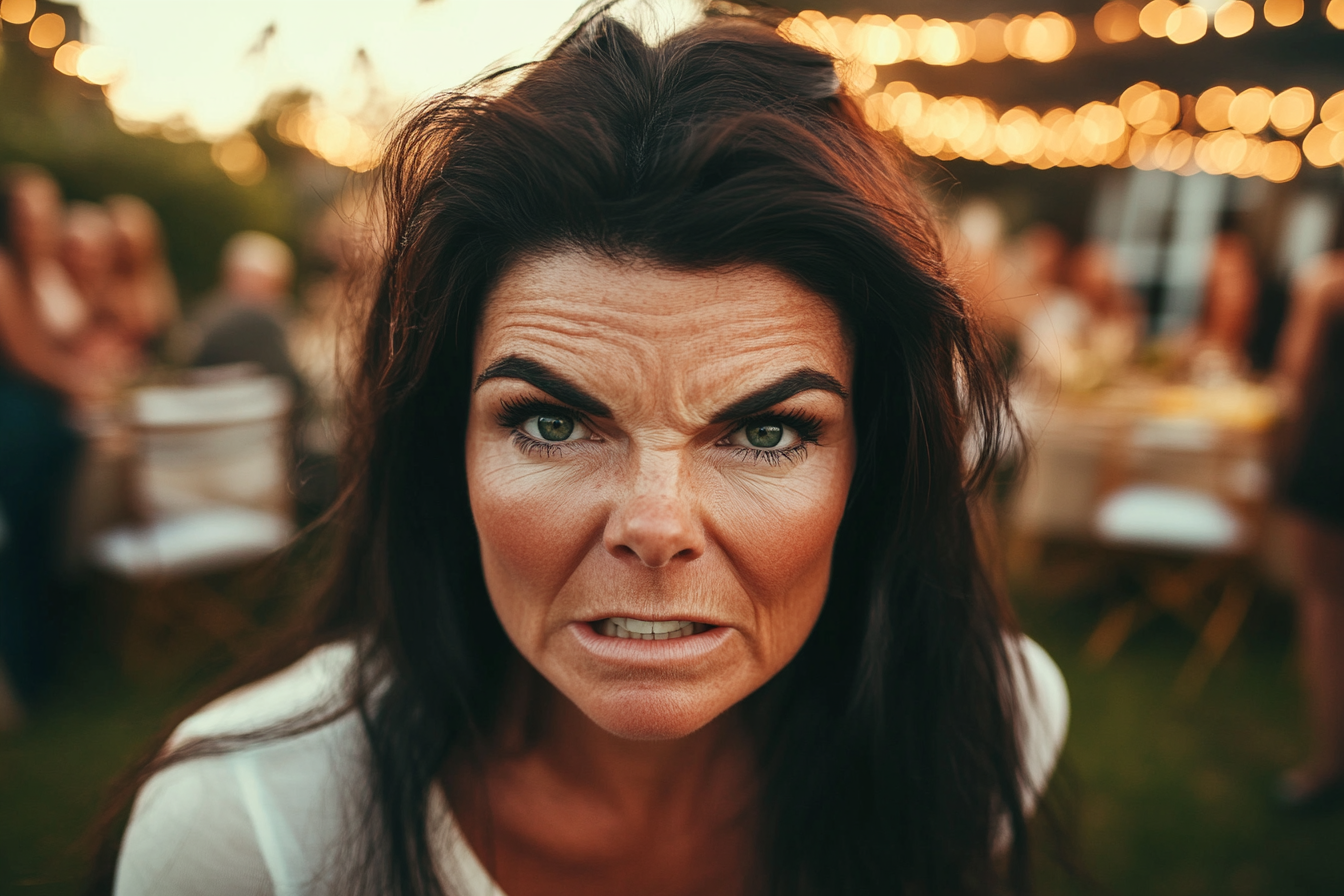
260 817
315 683
1043 704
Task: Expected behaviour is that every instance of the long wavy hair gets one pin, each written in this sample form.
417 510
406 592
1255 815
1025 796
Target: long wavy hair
889 747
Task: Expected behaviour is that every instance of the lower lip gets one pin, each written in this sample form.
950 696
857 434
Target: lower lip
631 650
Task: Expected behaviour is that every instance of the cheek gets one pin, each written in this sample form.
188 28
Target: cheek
780 539
534 523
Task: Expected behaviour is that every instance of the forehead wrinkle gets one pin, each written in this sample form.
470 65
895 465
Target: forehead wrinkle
684 345
687 381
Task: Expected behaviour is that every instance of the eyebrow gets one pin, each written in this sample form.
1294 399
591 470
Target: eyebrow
535 373
804 379
545 379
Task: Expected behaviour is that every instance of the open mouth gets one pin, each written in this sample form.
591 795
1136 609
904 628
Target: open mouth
648 629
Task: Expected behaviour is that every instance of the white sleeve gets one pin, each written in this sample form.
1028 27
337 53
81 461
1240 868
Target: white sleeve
1044 702
190 834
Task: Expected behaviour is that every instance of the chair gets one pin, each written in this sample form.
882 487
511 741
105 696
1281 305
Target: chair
1182 503
210 490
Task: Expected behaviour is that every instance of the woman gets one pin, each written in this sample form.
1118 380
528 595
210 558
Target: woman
42 380
659 574
1311 368
143 296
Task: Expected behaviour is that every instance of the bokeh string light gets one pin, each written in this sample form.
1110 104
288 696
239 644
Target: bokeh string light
1120 21
875 40
1334 13
1142 128
18 12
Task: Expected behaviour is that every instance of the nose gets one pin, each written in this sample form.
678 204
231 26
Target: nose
657 520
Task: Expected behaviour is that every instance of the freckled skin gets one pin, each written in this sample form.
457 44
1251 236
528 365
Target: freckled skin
657 512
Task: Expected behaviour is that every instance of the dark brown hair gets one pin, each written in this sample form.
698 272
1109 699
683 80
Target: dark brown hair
889 746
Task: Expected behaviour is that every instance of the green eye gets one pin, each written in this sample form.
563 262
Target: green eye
765 435
555 429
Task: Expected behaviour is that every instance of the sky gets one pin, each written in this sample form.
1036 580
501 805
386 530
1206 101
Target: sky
213 64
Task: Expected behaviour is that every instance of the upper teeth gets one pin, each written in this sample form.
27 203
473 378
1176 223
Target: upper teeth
647 629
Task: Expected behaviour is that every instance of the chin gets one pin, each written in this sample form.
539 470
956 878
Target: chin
652 713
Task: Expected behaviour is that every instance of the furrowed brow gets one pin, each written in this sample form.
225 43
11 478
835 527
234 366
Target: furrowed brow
542 377
786 387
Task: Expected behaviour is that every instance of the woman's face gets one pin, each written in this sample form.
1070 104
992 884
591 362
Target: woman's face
658 462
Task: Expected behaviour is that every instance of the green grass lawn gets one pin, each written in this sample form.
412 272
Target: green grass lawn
1167 799
1172 798
54 772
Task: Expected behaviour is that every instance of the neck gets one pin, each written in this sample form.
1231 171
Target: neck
635 777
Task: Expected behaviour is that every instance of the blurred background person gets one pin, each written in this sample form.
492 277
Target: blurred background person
143 295
1086 325
115 252
41 377
1218 348
1054 330
1114 325
1311 365
245 323
89 253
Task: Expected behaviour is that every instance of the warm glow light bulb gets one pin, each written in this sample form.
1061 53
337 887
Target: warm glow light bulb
1118 22
1252 159
1281 13
47 31
1316 146
1291 112
883 42
1334 13
938 44
1156 112
1187 24
1249 112
843 29
1131 97
1153 17
1332 112
1211 108
66 59
1281 162
1173 150
18 12
1234 18
1050 37
989 45
1220 153
1015 35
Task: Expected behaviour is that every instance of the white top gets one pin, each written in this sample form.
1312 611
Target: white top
272 818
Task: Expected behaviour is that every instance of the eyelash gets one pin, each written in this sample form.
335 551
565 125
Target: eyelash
513 412
805 425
